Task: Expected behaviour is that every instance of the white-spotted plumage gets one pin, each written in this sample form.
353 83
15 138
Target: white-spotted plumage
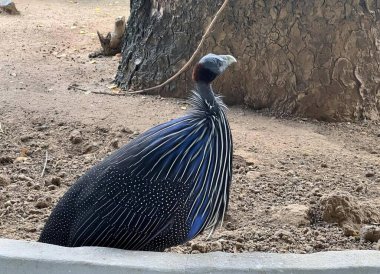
162 189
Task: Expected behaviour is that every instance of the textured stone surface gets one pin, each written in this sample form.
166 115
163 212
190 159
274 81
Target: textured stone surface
20 257
293 214
310 58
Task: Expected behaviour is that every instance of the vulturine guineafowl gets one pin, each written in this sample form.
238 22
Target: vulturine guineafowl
163 188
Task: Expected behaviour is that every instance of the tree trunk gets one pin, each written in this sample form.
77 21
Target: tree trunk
316 59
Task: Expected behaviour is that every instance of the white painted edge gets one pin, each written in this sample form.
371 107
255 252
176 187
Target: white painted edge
22 257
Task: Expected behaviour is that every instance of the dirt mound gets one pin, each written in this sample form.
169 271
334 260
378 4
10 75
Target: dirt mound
345 210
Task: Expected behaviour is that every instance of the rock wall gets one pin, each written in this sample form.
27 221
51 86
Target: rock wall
316 59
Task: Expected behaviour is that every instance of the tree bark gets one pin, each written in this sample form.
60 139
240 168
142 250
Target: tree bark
317 59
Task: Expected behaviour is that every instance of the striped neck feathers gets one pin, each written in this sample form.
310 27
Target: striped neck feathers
204 100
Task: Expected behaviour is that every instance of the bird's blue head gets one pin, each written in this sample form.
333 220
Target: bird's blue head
210 66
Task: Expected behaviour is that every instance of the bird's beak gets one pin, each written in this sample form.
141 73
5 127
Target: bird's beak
229 59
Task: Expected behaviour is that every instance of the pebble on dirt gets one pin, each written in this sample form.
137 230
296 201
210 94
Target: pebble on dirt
216 246
6 160
284 235
26 138
370 233
115 143
43 203
91 148
293 214
200 247
76 137
370 174
56 181
126 130
22 177
4 180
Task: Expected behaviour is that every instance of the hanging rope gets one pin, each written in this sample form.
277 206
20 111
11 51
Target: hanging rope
207 32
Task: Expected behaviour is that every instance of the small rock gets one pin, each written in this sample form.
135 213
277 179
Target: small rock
103 129
26 138
316 191
370 233
284 235
20 159
359 188
6 160
42 127
34 212
115 143
370 174
318 245
42 203
293 214
22 177
76 137
30 229
52 187
7 203
253 175
324 165
308 248
4 180
348 230
216 246
43 145
63 175
377 246
56 181
24 152
244 158
198 247
37 187
239 246
90 148
230 226
126 130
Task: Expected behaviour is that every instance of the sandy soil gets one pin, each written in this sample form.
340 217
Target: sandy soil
284 170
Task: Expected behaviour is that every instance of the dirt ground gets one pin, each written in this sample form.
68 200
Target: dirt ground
299 186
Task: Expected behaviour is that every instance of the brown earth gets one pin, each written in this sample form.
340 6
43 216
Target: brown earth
298 186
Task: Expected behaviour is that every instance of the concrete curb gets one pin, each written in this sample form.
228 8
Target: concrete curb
21 257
